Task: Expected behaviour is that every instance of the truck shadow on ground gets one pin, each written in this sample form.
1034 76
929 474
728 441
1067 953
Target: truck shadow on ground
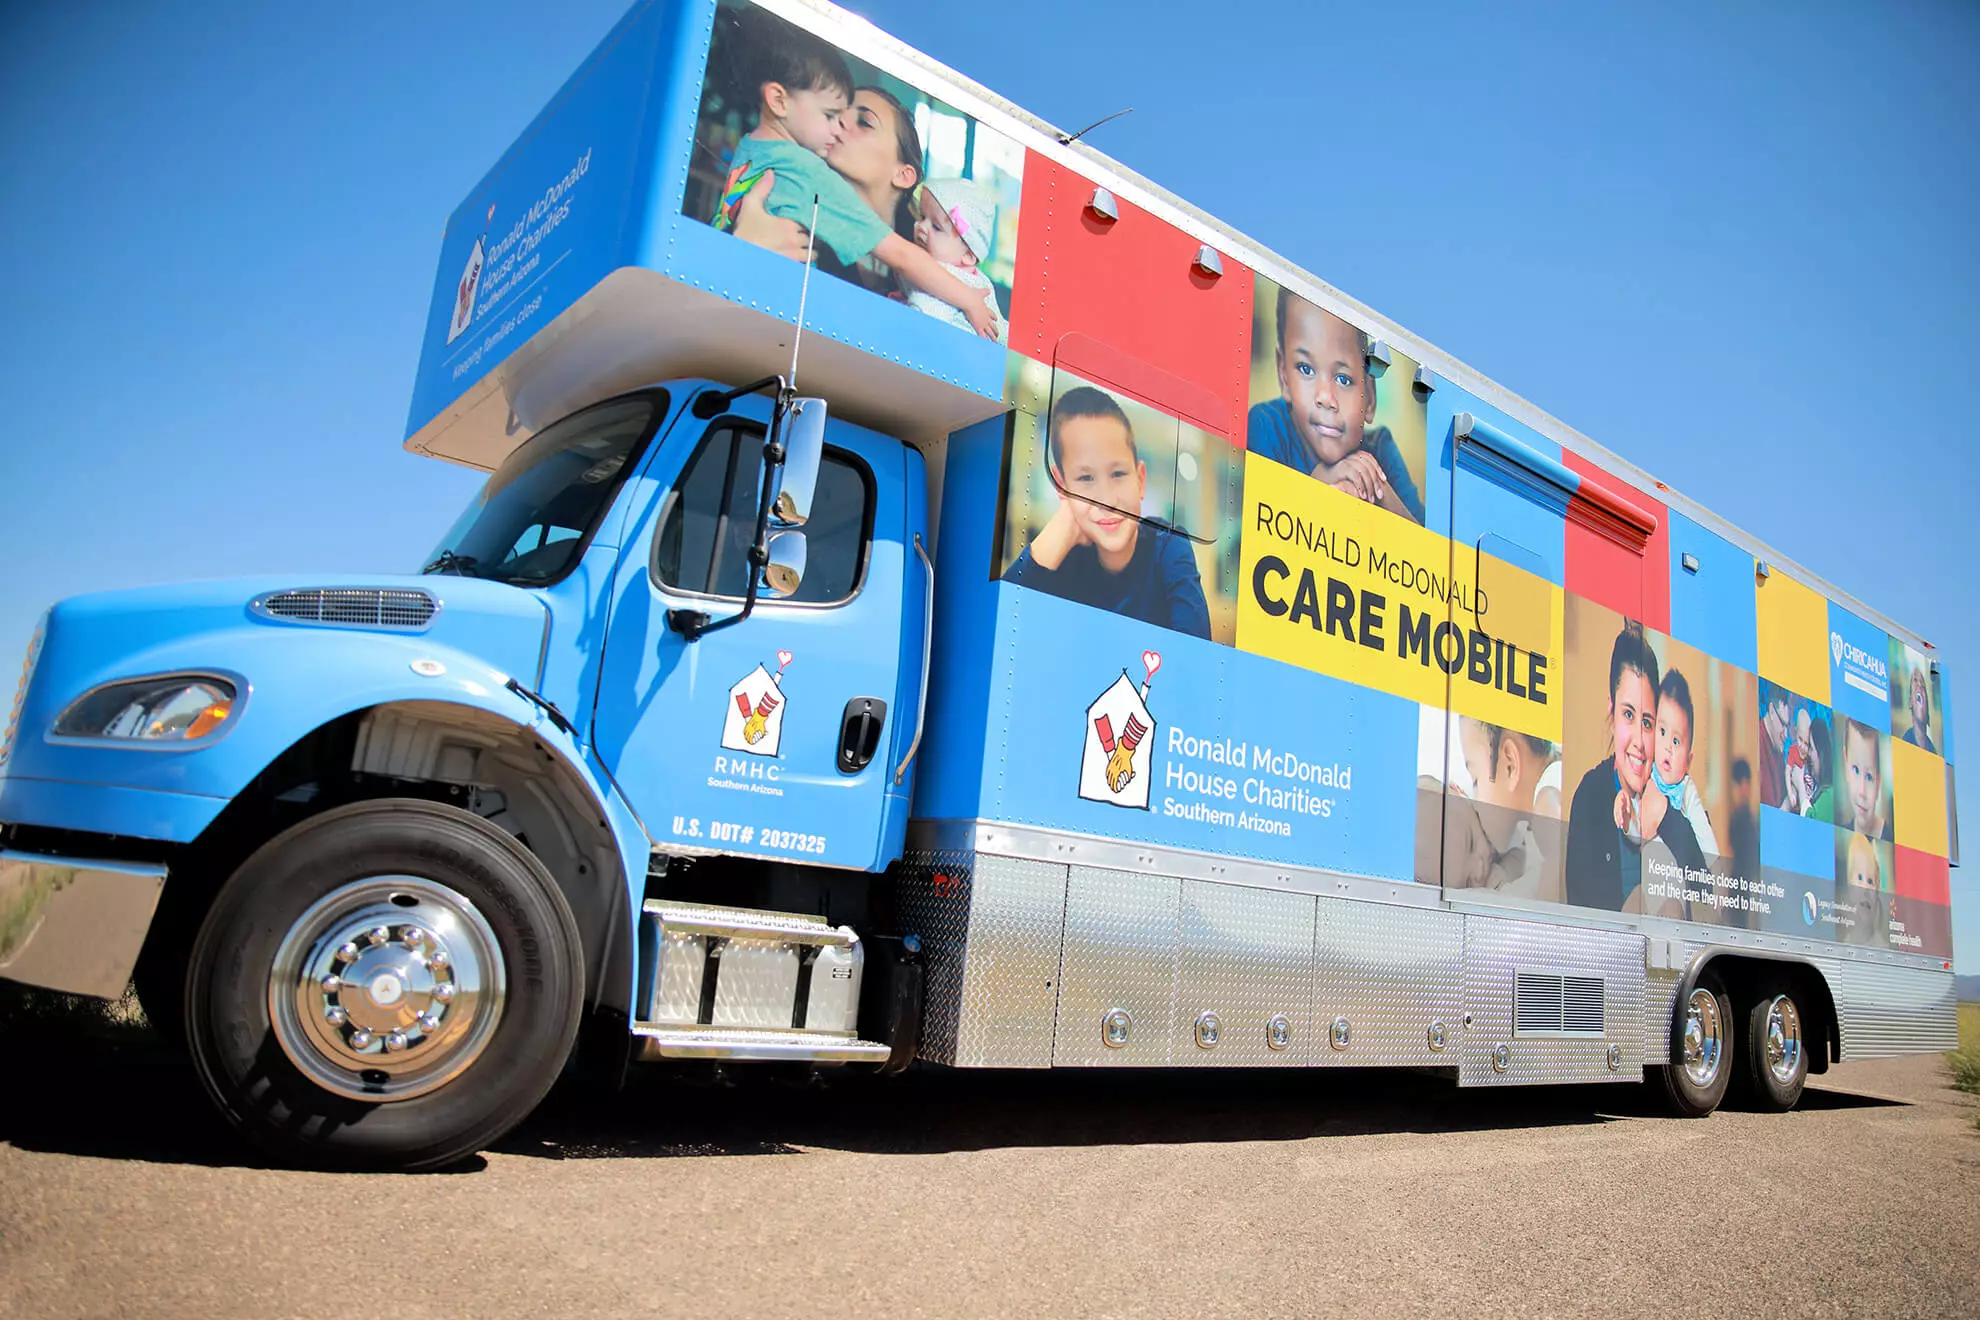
114 1090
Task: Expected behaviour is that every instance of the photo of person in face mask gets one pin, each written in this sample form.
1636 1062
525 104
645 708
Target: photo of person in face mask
1616 809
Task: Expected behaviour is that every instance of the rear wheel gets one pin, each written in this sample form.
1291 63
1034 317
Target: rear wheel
391 984
1695 1081
1774 1053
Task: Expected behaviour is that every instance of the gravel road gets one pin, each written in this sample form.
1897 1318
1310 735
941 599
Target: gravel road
1119 1194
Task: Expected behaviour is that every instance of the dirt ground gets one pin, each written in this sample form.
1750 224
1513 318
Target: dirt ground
1050 1194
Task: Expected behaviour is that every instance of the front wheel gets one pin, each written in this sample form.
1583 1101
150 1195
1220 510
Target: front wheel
392 984
1774 1055
1700 1067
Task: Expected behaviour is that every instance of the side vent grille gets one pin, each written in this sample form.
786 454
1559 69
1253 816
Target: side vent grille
352 607
1550 1004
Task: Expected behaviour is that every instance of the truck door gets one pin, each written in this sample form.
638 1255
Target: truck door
736 741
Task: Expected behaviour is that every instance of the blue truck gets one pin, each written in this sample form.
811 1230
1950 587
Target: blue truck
938 598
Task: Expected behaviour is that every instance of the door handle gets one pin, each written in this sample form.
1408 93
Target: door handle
859 733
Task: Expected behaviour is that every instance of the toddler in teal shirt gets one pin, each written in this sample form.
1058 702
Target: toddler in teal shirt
804 87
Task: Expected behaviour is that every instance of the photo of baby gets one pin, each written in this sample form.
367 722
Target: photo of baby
1915 704
1863 887
1320 406
1100 547
1488 808
812 154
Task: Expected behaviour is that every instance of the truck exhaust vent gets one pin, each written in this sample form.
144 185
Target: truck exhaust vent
1550 1004
351 607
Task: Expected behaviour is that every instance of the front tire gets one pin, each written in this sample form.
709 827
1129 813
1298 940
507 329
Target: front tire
1701 1062
1774 1053
393 984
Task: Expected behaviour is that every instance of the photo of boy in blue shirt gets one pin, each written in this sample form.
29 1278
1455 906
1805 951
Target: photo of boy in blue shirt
1323 420
1097 549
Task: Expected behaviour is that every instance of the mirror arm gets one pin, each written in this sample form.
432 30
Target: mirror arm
695 624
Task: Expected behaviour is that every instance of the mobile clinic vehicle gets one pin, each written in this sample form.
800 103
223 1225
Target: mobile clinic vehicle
1051 632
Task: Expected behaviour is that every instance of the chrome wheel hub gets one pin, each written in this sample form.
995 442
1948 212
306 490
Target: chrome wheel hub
1703 1048
1783 1039
386 988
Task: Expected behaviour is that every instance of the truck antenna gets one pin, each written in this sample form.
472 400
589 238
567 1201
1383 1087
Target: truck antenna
1067 139
804 290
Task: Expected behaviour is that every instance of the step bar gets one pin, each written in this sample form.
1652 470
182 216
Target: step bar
663 1042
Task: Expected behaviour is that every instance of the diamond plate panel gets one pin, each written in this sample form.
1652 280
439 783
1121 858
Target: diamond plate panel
757 985
990 930
677 985
1391 972
1886 1009
1660 992
1496 948
1120 952
939 915
1246 955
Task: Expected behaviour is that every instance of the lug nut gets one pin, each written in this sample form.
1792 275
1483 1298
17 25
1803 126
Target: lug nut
444 992
348 953
395 1041
331 984
379 934
429 1021
413 935
335 1015
361 1039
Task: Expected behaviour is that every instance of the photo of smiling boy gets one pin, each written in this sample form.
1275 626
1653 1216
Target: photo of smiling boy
1096 549
1323 421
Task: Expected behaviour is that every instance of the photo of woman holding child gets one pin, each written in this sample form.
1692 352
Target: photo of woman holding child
1320 406
796 154
1665 730
1797 754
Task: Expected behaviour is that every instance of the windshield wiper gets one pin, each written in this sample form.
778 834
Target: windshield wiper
449 562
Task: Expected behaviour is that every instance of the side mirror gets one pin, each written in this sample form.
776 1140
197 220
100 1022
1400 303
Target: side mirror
803 437
784 573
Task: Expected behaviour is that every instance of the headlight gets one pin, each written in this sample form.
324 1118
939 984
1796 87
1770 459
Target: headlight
20 692
174 708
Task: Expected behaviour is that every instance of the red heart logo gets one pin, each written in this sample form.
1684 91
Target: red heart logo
783 659
1152 660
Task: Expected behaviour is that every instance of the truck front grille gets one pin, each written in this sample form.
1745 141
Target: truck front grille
403 609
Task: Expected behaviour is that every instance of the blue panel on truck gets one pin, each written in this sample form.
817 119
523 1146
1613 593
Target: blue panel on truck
950 770
1244 756
1520 512
692 253
1713 608
1859 675
554 216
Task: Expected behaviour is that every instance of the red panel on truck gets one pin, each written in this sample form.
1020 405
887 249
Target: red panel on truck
1618 546
1132 284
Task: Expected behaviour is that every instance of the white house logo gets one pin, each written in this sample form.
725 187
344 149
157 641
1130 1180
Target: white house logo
754 722
1118 750
464 291
1862 670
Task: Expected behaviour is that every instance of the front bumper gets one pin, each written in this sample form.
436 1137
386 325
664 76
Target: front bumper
74 924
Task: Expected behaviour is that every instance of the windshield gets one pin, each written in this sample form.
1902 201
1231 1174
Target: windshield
528 525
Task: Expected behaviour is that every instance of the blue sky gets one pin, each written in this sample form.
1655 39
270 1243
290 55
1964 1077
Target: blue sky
1733 245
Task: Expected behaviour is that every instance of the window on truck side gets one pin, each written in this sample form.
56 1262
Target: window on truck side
703 545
